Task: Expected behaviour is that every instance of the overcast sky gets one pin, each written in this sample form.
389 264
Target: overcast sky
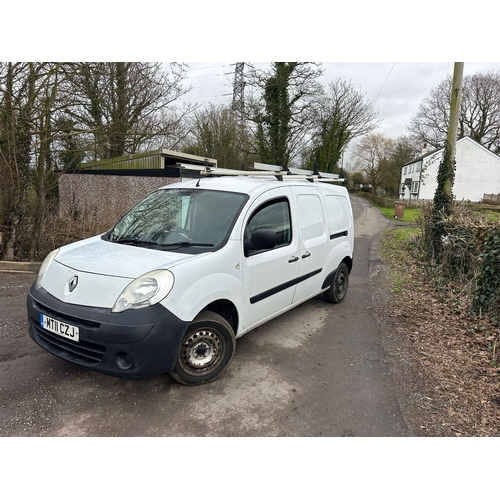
202 31
396 89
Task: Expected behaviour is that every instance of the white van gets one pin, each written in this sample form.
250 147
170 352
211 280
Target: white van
189 269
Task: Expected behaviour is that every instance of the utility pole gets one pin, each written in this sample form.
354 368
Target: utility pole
456 99
443 197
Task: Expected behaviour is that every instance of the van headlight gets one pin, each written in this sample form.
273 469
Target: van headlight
145 291
43 268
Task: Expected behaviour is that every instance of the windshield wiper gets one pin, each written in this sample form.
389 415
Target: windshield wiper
154 244
185 244
132 241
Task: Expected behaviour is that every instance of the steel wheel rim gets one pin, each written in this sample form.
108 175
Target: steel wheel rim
202 350
340 283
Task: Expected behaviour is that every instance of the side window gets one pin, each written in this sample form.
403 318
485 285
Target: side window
310 216
338 214
273 215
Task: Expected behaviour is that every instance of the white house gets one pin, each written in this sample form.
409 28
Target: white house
477 172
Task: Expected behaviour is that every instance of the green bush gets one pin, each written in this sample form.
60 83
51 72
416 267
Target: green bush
487 291
469 261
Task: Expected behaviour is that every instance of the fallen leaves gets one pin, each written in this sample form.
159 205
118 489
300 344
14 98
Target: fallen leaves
445 355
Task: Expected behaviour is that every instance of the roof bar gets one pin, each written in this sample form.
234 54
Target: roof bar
263 169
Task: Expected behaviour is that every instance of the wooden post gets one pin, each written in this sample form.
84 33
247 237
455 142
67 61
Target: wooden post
456 99
443 197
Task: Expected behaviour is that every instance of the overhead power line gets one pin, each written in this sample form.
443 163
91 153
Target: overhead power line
393 64
207 96
210 67
207 76
207 86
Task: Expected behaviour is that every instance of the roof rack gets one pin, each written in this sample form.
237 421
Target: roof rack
263 169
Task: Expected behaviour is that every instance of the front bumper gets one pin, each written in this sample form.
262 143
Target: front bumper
133 344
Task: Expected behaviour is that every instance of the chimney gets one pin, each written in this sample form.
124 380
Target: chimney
424 149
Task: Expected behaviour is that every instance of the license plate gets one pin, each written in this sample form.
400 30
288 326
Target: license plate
59 328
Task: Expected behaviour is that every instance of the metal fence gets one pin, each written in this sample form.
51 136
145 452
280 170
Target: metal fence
491 199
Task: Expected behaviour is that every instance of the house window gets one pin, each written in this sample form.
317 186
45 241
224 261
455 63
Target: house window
414 187
405 171
419 166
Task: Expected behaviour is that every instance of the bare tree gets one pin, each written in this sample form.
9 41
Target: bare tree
121 105
371 156
217 132
281 109
28 100
15 139
479 113
340 115
380 159
403 150
53 114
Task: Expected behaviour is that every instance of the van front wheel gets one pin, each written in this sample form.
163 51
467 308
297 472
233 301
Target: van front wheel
206 350
338 288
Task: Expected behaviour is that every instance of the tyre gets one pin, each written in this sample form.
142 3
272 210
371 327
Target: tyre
340 283
206 350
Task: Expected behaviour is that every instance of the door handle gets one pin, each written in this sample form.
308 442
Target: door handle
293 259
307 254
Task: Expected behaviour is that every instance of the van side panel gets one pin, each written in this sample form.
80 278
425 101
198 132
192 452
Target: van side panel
270 276
314 240
216 276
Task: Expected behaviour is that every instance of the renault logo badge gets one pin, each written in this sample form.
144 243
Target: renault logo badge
73 282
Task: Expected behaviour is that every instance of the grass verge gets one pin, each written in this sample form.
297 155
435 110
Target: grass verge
410 214
445 358
395 252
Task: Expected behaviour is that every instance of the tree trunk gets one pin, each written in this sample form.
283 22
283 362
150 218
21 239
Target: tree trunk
10 245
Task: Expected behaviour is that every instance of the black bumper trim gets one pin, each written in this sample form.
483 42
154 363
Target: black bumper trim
150 336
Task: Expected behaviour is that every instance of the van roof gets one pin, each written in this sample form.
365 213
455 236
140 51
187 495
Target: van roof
253 185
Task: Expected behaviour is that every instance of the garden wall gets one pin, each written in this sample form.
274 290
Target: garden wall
104 197
492 199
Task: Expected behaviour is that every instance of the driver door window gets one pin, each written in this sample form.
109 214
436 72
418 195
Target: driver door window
273 215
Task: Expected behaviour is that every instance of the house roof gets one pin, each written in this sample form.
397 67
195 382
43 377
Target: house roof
440 149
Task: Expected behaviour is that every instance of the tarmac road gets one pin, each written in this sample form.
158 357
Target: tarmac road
319 370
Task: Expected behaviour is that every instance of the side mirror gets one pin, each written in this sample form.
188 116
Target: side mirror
261 239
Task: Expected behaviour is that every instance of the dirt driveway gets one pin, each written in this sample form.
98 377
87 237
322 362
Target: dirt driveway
319 370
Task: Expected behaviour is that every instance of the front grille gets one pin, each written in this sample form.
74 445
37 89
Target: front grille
83 352
65 318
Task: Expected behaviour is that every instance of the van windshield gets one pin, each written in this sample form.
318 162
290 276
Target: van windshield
180 219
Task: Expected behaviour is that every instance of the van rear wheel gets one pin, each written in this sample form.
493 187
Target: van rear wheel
340 283
206 350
